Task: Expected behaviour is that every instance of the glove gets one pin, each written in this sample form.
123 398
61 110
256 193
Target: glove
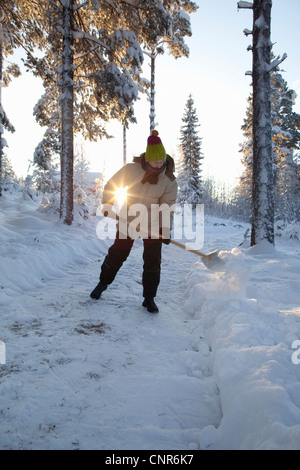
106 210
165 240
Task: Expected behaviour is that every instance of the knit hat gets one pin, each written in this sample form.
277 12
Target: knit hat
155 151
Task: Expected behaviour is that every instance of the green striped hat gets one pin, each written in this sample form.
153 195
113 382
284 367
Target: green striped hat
155 151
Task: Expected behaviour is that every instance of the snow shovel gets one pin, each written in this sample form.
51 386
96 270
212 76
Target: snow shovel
211 260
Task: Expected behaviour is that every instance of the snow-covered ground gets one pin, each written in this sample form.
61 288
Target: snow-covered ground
217 368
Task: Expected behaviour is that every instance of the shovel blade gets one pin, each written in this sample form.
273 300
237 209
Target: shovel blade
213 262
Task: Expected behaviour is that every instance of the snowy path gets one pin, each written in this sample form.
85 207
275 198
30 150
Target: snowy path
106 374
217 368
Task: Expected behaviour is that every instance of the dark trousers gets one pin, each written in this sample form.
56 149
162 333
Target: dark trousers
118 253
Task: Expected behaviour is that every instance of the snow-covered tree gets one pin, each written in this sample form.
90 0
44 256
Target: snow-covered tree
93 53
286 144
4 122
8 177
81 167
287 196
245 187
262 182
45 174
189 173
262 168
21 23
173 35
86 67
285 147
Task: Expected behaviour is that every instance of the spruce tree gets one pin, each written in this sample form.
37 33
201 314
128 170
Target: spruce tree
189 177
8 177
21 26
5 48
45 164
81 167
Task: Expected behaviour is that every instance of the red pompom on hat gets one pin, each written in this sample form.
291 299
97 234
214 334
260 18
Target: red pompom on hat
155 151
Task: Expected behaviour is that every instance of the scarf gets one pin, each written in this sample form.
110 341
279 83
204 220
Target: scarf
169 165
151 174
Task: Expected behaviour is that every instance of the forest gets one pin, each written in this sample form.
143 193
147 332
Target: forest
89 56
215 364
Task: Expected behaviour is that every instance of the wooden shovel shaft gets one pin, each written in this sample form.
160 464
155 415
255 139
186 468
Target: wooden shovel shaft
208 257
192 251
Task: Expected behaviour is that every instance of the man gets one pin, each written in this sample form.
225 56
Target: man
149 181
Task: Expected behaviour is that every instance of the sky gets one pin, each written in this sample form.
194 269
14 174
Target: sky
214 74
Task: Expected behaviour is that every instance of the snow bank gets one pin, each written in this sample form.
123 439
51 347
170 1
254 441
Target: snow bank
36 246
250 312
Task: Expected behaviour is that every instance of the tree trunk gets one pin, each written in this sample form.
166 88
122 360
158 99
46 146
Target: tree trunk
152 93
1 112
67 97
262 184
124 145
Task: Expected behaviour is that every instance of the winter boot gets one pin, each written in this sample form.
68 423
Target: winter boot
96 294
150 305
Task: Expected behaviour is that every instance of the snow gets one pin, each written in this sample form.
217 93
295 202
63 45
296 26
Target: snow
277 62
246 5
216 368
261 23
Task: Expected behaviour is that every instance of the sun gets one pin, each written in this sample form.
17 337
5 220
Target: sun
120 197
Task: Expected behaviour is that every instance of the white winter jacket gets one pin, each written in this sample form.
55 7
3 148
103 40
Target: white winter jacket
148 196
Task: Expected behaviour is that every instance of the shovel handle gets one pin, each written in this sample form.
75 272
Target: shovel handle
192 251
208 257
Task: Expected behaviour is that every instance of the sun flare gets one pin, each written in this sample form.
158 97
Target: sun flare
121 196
